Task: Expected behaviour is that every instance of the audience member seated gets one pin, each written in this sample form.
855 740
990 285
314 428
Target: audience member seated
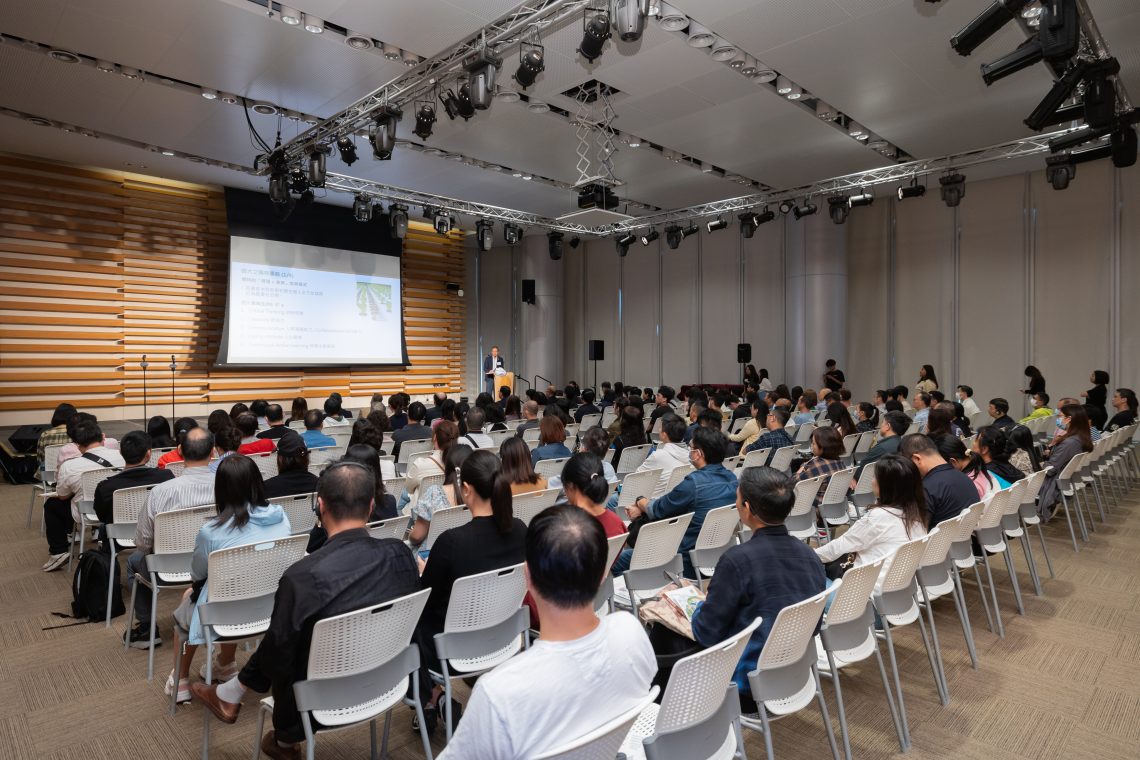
61 511
897 516
826 450
579 675
398 410
709 486
244 517
805 408
219 420
250 443
444 496
334 414
585 486
518 469
947 490
879 400
776 436
1041 408
259 408
994 447
71 450
293 477
158 428
921 409
758 578
383 503
551 440
299 409
135 450
446 412
743 410
236 411
1125 403
475 437
748 434
379 419
587 406
512 411
663 400
227 441
840 417
313 436
56 435
376 403
275 416
670 453
940 424
596 441
1075 438
999 411
365 433
529 417
493 539
442 438
867 417
694 420
954 451
194 488
966 398
632 432
1098 419
413 430
436 409
1022 450
899 394
350 572
959 419
891 428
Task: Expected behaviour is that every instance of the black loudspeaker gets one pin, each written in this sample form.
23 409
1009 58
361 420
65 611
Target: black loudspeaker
743 353
25 438
528 295
597 350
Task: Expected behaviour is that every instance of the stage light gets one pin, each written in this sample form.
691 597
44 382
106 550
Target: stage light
1026 54
1057 40
1063 88
863 198
425 118
786 206
671 19
1123 145
441 220
953 189
279 187
313 24
673 236
628 18
410 59
824 111
749 67
209 94
347 150
357 41
485 234
748 224
1060 170
700 36
554 245
398 221
624 242
512 234
1091 154
317 167
689 231
837 208
595 32
723 51
382 132
290 16
763 74
465 106
1078 137
716 224
650 236
362 208
858 131
784 85
986 25
1100 98
450 104
482 72
575 241
532 62
913 190
807 208
390 51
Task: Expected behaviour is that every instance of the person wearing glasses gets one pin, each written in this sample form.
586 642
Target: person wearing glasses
775 437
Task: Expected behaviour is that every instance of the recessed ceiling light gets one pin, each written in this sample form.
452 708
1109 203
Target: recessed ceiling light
130 73
737 61
210 94
290 16
876 143
824 111
671 19
39 122
411 60
507 96
105 66
784 85
763 74
537 106
723 51
855 129
795 93
313 24
68 128
633 141
357 41
528 177
228 98
516 174
749 67
167 152
700 36
391 52
63 56
265 109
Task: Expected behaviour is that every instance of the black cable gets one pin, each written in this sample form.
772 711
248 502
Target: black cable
260 143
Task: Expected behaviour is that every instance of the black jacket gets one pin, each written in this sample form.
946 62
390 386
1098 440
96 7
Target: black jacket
292 483
135 476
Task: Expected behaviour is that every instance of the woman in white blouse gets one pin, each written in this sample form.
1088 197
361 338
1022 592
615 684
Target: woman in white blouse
897 517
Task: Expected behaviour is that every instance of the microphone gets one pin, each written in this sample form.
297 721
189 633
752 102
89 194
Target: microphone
172 365
144 364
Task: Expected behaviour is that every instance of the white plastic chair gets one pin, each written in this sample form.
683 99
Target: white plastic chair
126 504
360 666
800 522
786 678
732 464
655 552
589 421
632 457
499 436
863 446
604 599
936 579
485 626
407 448
300 509
548 468
849 444
679 473
782 459
155 455
176 467
1069 484
757 458
717 534
962 555
637 484
267 464
394 527
531 435
803 433
445 519
603 742
992 540
88 481
45 488
526 505
833 507
864 495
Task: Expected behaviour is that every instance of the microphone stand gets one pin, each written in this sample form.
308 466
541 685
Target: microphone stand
172 366
143 365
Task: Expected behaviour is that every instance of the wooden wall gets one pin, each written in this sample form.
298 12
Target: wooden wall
99 267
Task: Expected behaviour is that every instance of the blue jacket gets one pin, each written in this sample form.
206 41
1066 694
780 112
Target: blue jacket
756 579
548 451
710 487
315 439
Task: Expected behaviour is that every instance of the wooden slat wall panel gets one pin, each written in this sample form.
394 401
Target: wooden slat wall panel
98 268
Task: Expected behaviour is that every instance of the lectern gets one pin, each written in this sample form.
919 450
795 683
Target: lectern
507 379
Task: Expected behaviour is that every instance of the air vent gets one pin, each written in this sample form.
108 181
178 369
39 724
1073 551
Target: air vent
587 92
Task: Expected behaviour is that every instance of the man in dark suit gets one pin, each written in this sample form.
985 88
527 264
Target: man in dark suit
491 362
436 411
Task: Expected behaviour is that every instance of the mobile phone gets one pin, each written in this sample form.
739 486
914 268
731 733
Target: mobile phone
424 553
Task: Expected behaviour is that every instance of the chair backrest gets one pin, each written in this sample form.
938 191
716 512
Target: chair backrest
299 509
427 481
324 454
850 442
51 459
659 541
89 479
266 463
806 491
407 448
863 486
854 595
176 467
697 683
793 630
358 641
803 432
252 570
176 531
589 421
738 424
638 484
484 599
155 455
393 527
603 742
782 459
938 542
679 473
414 455
446 519
995 508
1034 481
498 436
531 435
756 458
719 527
838 486
732 463
632 457
548 468
1074 466
1015 497
394 486
527 505
866 441
614 545
127 503
904 565
964 529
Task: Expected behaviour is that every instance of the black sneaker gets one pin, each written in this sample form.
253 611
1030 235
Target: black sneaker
139 637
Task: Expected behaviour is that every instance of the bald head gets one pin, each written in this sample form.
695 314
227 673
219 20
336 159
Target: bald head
197 447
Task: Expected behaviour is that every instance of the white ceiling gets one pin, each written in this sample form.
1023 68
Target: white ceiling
886 63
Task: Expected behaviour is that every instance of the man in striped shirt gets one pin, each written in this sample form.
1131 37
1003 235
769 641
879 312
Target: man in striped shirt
193 488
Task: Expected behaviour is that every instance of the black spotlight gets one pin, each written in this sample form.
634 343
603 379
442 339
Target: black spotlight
316 176
650 236
425 119
382 132
532 62
716 224
786 206
279 188
807 208
485 234
765 216
362 208
554 244
450 104
862 198
837 208
624 242
1057 40
1060 170
466 108
398 221
748 224
512 234
482 70
913 190
595 32
347 150
953 189
442 221
673 236
575 241
986 25
1123 147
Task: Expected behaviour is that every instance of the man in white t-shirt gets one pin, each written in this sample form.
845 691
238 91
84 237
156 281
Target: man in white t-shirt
475 437
580 674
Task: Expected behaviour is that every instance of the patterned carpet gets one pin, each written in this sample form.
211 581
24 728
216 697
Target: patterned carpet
1063 682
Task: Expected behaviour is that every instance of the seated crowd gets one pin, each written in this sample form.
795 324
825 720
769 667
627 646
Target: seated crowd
486 457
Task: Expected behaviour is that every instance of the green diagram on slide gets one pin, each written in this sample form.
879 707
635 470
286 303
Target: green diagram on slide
374 299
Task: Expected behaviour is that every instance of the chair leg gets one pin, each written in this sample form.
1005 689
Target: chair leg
993 595
890 698
964 618
1069 520
1045 551
372 738
1099 500
839 706
1008 555
898 684
153 631
447 700
823 710
260 730
982 593
130 615
420 714
31 508
1027 550
933 649
384 738
111 579
177 650
1082 509
767 731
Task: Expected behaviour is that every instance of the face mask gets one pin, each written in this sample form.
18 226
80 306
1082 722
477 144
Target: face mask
1060 424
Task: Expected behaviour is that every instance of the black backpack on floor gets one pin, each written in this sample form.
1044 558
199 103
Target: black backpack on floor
89 587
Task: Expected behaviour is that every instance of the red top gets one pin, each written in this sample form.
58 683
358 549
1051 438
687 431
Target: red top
612 523
174 455
260 446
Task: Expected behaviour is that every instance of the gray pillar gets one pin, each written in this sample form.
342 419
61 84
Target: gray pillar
815 285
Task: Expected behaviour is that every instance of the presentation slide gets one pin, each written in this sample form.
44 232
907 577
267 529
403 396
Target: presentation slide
298 305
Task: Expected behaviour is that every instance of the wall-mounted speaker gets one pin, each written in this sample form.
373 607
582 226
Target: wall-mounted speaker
743 353
528 295
597 350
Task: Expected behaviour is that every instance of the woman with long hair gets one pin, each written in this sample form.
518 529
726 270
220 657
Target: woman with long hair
632 431
1098 394
513 412
443 437
446 412
364 432
243 517
927 381
299 410
939 424
765 381
237 410
840 419
1021 450
751 376
992 445
782 392
879 400
585 487
960 420
518 468
754 427
440 497
597 441
970 464
1036 382
868 418
1125 403
379 420
1076 439
158 428
897 516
